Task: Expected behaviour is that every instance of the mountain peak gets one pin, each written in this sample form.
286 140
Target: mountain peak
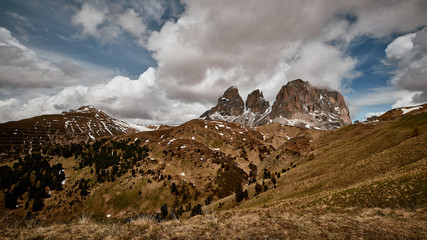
83 124
229 106
297 103
256 102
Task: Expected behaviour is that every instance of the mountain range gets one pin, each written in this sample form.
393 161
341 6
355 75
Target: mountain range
297 103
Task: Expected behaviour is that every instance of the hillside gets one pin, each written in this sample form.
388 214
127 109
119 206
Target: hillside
360 181
80 125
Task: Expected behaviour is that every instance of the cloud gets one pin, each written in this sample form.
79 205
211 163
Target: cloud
70 69
323 65
378 96
89 17
254 45
107 21
370 114
131 22
22 68
409 54
138 101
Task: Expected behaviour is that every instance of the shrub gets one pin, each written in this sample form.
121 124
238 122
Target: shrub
258 188
164 211
197 210
415 132
240 195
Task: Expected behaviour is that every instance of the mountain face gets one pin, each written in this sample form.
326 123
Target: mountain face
229 107
298 100
84 124
297 104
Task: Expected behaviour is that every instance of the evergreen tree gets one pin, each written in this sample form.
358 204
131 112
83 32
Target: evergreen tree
258 188
197 210
164 211
173 188
240 195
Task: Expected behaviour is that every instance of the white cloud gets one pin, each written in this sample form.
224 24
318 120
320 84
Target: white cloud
252 44
89 17
400 47
132 23
106 21
370 114
323 65
378 96
21 67
409 54
138 101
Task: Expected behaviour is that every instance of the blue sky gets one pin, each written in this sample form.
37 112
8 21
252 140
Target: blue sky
168 61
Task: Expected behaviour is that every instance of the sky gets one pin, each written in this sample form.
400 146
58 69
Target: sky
168 61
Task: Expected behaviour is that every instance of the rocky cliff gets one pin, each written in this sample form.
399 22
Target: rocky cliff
230 106
321 108
298 104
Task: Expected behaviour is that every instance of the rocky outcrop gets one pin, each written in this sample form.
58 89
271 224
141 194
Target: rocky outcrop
315 107
298 104
256 102
229 107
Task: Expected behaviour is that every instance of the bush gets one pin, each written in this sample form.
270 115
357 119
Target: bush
197 210
173 188
240 195
265 188
415 132
258 188
164 211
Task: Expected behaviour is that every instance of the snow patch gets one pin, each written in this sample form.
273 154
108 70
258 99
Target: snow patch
406 110
91 137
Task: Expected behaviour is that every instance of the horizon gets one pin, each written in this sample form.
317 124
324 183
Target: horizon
164 62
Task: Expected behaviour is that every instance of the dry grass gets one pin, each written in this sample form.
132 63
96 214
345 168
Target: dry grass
269 223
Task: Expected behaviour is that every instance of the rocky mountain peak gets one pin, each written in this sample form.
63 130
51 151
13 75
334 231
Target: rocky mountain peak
256 102
229 106
320 107
298 103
